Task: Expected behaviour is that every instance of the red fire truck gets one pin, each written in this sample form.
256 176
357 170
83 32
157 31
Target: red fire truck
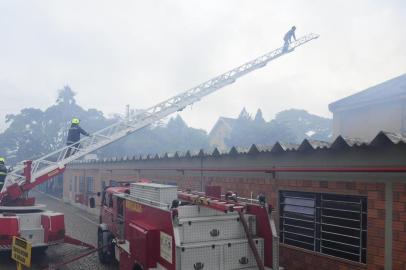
20 216
156 227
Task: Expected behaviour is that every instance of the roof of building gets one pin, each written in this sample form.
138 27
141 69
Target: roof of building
383 139
229 122
386 91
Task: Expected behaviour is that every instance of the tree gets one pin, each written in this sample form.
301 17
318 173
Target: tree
244 115
259 119
33 132
288 126
66 95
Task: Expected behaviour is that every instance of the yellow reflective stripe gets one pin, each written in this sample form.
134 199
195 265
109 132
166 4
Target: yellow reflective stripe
3 173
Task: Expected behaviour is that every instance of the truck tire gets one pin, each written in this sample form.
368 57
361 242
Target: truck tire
40 250
137 267
106 254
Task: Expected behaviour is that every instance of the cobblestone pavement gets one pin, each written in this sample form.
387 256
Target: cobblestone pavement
80 225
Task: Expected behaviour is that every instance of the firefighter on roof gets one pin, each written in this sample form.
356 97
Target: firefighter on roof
3 172
74 136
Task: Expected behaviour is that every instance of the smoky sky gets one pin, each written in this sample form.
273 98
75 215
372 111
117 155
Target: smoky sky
114 53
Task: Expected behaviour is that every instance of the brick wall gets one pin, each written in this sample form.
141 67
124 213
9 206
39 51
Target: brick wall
293 258
311 260
399 227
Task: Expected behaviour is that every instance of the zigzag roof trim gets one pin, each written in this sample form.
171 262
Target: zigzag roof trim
382 139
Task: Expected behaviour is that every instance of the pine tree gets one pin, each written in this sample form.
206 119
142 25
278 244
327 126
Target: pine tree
259 119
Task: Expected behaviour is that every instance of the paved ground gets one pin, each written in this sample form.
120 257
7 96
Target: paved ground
79 224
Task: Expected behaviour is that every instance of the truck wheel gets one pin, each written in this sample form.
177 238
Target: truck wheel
104 239
39 250
137 267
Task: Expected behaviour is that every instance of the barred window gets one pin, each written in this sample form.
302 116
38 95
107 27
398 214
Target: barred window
76 184
70 184
82 184
114 183
90 184
103 185
331 224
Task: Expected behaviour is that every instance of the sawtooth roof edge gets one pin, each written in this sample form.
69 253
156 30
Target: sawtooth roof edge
382 139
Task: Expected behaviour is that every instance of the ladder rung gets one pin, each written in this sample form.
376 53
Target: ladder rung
103 136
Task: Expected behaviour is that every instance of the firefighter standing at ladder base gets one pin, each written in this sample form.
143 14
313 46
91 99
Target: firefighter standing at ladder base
288 38
3 172
74 137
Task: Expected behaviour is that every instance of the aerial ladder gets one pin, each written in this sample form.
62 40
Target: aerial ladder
31 173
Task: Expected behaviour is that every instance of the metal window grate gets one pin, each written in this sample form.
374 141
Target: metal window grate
82 185
331 224
70 184
89 184
76 184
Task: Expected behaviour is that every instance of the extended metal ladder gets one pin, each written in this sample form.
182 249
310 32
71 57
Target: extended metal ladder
199 198
57 159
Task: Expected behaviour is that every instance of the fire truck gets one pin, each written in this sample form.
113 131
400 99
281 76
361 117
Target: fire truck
21 216
156 227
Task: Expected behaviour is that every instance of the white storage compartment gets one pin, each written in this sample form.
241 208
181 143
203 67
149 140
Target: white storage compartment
34 236
153 192
199 257
214 228
238 254
30 221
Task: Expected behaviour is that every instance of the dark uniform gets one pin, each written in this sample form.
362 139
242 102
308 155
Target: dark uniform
73 138
288 37
3 174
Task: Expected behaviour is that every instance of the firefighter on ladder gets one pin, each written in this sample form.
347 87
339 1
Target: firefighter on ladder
74 137
288 38
3 172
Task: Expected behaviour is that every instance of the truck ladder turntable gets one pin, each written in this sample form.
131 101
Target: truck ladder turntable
32 173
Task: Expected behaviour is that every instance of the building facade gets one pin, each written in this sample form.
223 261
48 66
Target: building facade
337 206
364 114
220 132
